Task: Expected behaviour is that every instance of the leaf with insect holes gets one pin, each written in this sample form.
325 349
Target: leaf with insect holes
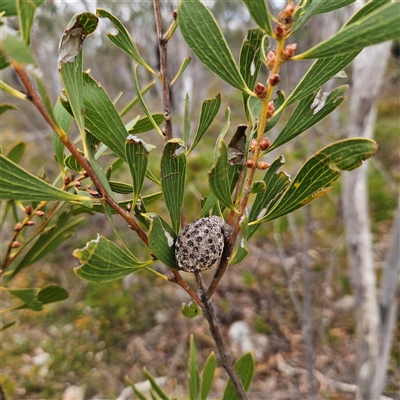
317 173
103 261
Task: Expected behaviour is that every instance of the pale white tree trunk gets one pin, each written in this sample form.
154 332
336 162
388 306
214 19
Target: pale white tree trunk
368 71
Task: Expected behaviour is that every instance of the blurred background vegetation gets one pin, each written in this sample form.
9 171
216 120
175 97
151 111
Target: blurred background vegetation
105 331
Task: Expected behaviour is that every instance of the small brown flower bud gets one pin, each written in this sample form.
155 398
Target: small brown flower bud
263 165
265 143
260 90
271 109
250 163
77 184
253 145
279 31
15 245
67 180
28 210
94 193
271 57
18 227
290 9
175 14
289 51
30 223
39 213
274 79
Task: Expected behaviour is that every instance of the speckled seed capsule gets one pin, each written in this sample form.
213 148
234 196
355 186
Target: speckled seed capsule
201 243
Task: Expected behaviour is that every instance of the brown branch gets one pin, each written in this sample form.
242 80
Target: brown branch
162 45
176 278
38 103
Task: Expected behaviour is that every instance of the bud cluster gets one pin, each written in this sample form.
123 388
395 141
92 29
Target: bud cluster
285 21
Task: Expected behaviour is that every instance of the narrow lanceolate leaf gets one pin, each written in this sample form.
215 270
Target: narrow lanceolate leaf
156 387
378 26
122 39
305 116
244 367
64 120
34 299
173 173
368 8
162 241
276 182
250 60
70 62
103 261
318 172
186 121
260 13
305 11
137 156
144 124
101 117
209 110
18 184
241 252
219 178
207 375
12 48
204 37
185 64
6 107
320 72
194 377
141 101
16 153
26 12
334 5
10 6
135 100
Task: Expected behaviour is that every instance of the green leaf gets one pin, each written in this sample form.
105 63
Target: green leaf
29 297
305 10
182 69
64 120
334 5
16 153
138 393
135 100
369 7
207 375
260 13
241 252
70 62
191 310
305 116
5 107
258 187
45 96
51 294
219 178
10 6
122 39
318 172
378 26
194 375
162 241
250 60
72 163
276 183
49 240
26 12
18 184
173 173
103 261
121 187
155 385
101 117
209 110
144 124
204 37
141 101
6 325
244 367
16 50
186 121
137 155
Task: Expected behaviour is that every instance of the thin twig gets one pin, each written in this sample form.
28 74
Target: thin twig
163 72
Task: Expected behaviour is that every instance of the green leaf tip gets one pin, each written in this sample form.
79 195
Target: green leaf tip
79 27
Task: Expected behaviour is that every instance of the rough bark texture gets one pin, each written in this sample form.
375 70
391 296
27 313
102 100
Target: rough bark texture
368 70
